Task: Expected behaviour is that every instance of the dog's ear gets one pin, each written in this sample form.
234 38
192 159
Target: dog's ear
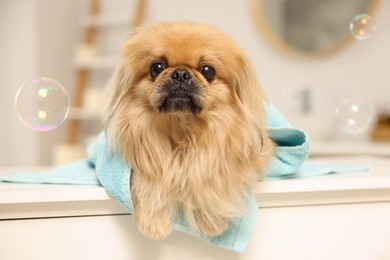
115 90
248 89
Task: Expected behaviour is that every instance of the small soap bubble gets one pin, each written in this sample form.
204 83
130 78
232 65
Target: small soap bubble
42 104
362 27
353 116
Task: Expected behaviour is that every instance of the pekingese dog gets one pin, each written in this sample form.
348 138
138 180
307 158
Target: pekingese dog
187 113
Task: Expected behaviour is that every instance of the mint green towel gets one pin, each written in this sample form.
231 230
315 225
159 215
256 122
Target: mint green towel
110 171
292 145
114 175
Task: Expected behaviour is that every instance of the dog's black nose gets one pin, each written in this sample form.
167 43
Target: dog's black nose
181 76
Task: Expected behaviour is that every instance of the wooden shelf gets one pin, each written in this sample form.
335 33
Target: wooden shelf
99 62
88 57
83 114
109 19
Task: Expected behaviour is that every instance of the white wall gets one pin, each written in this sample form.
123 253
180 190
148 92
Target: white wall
18 52
58 34
38 37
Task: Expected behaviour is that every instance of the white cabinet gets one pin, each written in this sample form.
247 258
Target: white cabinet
333 217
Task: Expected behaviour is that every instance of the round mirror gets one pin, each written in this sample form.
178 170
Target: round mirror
308 27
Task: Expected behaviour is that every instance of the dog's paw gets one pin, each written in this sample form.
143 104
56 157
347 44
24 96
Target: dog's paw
210 225
154 228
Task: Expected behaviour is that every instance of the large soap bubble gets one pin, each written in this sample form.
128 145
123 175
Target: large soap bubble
362 27
353 116
42 104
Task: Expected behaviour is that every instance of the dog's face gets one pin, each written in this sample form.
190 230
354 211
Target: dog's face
183 68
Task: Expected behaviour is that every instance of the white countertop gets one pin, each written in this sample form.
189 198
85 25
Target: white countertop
47 200
342 148
351 187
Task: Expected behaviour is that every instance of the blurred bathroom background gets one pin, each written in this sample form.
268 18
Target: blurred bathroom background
306 75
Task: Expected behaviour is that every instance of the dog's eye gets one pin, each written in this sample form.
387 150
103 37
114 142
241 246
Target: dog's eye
208 72
156 69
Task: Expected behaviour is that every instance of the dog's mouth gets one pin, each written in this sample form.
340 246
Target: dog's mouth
180 97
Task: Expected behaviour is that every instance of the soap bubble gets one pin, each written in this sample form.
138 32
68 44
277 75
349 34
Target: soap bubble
362 27
353 116
42 104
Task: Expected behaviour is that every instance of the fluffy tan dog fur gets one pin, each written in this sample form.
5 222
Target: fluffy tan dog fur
187 113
